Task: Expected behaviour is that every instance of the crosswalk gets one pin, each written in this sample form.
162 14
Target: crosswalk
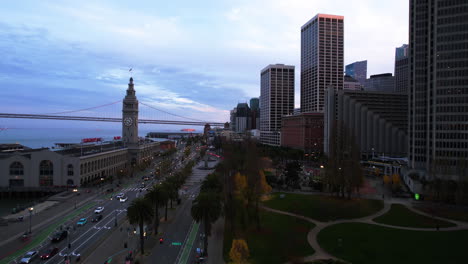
134 189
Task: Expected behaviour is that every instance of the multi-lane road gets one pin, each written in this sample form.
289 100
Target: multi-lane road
181 235
83 237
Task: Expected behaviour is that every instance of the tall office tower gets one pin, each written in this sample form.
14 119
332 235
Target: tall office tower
276 100
255 113
401 69
243 118
357 70
321 59
233 114
438 93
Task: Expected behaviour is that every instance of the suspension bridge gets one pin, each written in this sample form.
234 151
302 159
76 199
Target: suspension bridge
147 115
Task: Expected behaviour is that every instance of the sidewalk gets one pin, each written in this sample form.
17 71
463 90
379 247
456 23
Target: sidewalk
215 242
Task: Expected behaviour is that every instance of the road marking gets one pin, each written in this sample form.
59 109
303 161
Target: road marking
188 245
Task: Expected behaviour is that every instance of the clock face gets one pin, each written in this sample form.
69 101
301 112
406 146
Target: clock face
128 121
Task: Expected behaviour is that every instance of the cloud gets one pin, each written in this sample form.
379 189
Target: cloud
201 58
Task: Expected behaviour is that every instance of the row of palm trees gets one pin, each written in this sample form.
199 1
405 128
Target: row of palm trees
145 210
207 207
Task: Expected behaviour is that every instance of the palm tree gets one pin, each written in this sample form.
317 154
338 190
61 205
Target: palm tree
139 212
156 196
206 208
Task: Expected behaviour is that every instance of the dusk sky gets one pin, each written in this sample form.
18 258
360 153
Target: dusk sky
193 58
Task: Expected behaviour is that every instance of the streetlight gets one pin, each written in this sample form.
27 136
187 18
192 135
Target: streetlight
75 191
31 209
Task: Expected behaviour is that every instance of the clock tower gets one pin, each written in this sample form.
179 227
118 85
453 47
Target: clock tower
130 118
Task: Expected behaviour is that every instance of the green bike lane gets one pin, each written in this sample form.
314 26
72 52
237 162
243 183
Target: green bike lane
188 245
44 234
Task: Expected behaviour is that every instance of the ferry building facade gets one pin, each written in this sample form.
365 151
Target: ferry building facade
24 169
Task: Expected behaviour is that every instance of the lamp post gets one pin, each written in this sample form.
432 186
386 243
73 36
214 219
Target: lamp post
31 209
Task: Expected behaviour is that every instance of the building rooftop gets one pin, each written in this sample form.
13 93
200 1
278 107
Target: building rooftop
322 16
381 75
278 66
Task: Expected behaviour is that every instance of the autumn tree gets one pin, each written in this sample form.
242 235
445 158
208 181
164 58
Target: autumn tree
343 173
239 252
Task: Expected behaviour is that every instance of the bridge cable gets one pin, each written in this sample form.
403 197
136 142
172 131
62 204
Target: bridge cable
84 109
173 114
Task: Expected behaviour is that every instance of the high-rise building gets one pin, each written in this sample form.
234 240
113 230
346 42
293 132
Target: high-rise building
232 118
378 121
350 83
321 59
357 70
384 82
242 118
255 113
438 93
401 69
254 104
277 100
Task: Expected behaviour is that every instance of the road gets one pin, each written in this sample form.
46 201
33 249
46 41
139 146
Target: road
87 237
182 229
83 237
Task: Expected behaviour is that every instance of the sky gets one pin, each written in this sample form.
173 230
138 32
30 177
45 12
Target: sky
192 58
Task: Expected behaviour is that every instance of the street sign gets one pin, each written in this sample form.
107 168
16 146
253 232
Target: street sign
176 244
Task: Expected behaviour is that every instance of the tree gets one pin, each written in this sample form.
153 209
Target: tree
239 252
292 174
211 183
139 212
206 208
343 172
386 179
156 196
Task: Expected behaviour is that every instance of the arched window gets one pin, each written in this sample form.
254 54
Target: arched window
70 170
70 182
46 173
16 168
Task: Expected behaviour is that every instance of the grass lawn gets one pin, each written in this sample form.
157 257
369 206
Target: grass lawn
324 208
445 211
281 239
365 243
400 215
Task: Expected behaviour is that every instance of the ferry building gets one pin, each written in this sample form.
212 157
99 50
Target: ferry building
24 169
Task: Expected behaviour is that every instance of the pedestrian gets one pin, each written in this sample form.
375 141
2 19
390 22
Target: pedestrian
383 196
437 227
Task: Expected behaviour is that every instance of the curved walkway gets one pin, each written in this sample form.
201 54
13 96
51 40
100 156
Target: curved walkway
320 253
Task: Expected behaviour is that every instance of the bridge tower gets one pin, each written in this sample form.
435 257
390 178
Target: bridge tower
130 121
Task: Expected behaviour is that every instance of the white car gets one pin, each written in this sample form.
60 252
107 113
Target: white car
29 257
120 195
123 199
99 210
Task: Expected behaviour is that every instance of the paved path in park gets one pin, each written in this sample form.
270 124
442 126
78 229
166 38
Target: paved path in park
320 253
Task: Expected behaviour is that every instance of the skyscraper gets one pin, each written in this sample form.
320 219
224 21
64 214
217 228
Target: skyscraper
401 69
438 93
321 59
357 70
277 100
255 113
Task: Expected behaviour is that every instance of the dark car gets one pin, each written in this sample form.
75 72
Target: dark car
97 218
59 236
49 253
